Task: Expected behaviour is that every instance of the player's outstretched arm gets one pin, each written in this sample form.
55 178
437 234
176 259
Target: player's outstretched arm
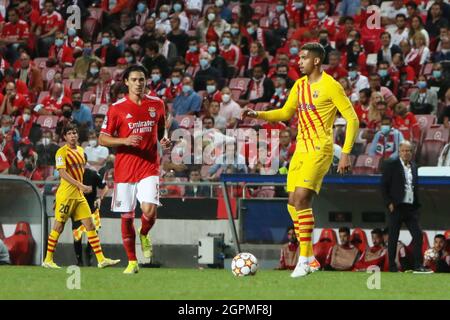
282 114
108 141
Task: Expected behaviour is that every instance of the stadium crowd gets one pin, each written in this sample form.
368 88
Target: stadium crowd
210 59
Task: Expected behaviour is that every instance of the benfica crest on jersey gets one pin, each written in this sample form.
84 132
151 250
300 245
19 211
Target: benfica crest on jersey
152 112
315 94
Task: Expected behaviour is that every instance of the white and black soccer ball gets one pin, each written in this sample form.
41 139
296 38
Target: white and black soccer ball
244 264
431 254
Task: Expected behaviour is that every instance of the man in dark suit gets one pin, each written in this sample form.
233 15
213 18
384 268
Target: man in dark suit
399 185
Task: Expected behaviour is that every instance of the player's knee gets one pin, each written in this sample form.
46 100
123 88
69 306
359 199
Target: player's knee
302 201
88 224
149 210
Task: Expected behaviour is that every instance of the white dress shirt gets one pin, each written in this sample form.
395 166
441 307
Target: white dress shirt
409 193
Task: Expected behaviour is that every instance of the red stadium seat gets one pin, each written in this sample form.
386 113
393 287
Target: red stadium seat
40 62
264 22
68 72
185 121
326 241
42 95
425 121
100 109
425 245
366 165
87 96
262 106
47 121
427 69
359 239
435 139
48 74
21 245
239 83
259 10
76 85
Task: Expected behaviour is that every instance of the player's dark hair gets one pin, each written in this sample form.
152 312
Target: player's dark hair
411 4
134 68
344 229
386 119
316 48
209 118
439 236
69 127
377 231
400 15
387 33
366 91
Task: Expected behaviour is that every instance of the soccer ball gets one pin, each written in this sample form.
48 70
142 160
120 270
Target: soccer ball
431 255
244 264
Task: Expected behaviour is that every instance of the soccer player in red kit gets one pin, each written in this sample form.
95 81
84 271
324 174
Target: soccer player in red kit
134 125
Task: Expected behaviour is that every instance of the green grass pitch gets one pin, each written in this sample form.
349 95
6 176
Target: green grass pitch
192 284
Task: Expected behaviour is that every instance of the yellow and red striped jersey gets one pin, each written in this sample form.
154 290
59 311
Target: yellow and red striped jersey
316 105
73 161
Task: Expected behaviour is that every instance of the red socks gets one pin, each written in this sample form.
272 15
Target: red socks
129 237
147 224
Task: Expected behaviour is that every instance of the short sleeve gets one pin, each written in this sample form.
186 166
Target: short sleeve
110 124
60 159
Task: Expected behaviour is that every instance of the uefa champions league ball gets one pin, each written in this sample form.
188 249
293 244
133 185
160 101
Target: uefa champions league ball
244 264
431 254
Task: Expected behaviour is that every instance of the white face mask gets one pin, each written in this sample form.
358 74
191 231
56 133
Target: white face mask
26 117
226 98
45 141
92 143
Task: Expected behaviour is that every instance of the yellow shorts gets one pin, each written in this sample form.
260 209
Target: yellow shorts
307 169
78 209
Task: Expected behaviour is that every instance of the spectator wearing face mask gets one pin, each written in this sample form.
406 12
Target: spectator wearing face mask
217 61
192 56
281 93
92 75
231 53
24 123
163 21
96 154
289 252
188 102
83 62
81 113
438 80
108 53
142 13
357 80
386 142
212 92
229 109
322 21
157 84
424 100
211 27
59 53
206 72
174 88
355 55
46 150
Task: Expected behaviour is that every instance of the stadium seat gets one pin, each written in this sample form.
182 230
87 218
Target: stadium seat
68 72
87 96
236 94
262 106
326 241
259 10
21 245
427 69
185 121
47 121
90 29
42 95
264 23
100 109
425 121
76 85
40 62
359 239
239 83
366 165
48 74
435 139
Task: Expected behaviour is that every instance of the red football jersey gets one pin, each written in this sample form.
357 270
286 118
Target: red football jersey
20 30
48 22
125 118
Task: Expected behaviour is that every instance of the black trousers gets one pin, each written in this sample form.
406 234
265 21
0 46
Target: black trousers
410 216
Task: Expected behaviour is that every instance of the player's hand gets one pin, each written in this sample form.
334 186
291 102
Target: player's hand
249 113
344 165
133 140
86 189
165 144
97 203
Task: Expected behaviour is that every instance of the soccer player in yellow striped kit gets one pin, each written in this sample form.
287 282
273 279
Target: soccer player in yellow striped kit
315 97
70 200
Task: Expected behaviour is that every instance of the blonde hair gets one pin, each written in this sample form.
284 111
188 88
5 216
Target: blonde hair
419 35
374 114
